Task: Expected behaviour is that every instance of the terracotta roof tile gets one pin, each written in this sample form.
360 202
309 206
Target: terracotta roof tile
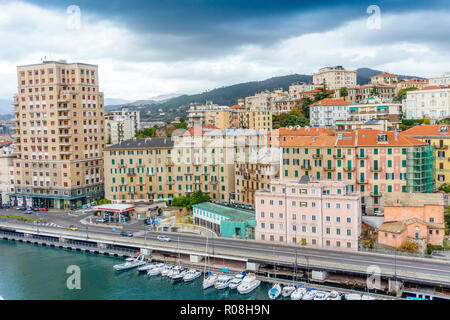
331 102
428 130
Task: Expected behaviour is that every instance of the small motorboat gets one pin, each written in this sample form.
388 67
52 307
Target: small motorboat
191 275
334 295
275 291
248 284
210 280
223 281
321 295
309 295
287 291
298 293
352 296
156 269
146 268
130 263
236 280
174 271
166 270
180 275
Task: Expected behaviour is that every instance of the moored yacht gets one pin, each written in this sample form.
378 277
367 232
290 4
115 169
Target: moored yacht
156 269
191 275
130 263
298 293
334 295
321 295
166 270
222 282
236 280
275 291
180 275
287 291
309 295
210 280
146 268
248 284
352 296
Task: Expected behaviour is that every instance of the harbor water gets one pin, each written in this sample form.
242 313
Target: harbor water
30 271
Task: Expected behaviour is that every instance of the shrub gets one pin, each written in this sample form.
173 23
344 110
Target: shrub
409 247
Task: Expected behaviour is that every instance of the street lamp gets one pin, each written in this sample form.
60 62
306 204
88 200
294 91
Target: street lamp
307 268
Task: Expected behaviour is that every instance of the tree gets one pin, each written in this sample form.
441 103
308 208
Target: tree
343 92
306 103
293 120
323 93
189 200
373 92
103 201
402 93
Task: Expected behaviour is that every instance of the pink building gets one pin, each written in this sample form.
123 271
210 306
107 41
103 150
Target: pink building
320 214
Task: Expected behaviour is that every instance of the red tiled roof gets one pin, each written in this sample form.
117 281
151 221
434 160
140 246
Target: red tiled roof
384 74
427 130
331 102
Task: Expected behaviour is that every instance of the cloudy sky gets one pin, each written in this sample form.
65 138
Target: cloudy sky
149 48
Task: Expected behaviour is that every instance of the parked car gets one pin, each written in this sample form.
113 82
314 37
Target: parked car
378 213
43 209
73 228
148 221
100 220
29 211
163 238
126 234
35 209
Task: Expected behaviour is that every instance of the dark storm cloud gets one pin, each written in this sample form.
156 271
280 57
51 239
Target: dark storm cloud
172 30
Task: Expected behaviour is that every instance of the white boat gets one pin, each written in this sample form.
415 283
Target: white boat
352 296
287 291
248 284
156 269
1 298
298 293
321 295
191 275
146 267
236 280
309 295
174 271
367 297
166 270
210 280
222 282
180 275
275 291
334 295
129 264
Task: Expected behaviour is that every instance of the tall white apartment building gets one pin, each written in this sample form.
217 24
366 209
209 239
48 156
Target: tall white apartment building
121 125
432 102
335 77
326 112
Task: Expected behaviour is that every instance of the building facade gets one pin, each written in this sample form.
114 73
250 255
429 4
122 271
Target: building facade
335 77
322 214
432 102
59 117
369 161
384 78
121 125
437 136
326 112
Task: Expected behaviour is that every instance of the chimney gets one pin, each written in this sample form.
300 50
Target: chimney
396 135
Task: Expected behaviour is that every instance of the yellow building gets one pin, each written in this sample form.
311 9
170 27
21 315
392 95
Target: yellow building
439 137
60 136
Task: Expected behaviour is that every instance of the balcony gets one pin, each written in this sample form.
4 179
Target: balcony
63 108
150 173
317 156
338 156
63 118
197 182
347 169
359 181
170 182
64 126
440 147
379 169
131 174
306 166
65 152
214 182
140 165
378 194
65 135
65 143
64 98
359 156
329 168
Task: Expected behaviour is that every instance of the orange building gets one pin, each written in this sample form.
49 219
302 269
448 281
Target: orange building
412 217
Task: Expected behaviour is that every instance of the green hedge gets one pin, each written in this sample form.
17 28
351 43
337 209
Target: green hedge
21 218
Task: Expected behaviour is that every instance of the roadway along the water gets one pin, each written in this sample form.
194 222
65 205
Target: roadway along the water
358 259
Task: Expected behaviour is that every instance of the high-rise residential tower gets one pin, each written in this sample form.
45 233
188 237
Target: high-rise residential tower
59 115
